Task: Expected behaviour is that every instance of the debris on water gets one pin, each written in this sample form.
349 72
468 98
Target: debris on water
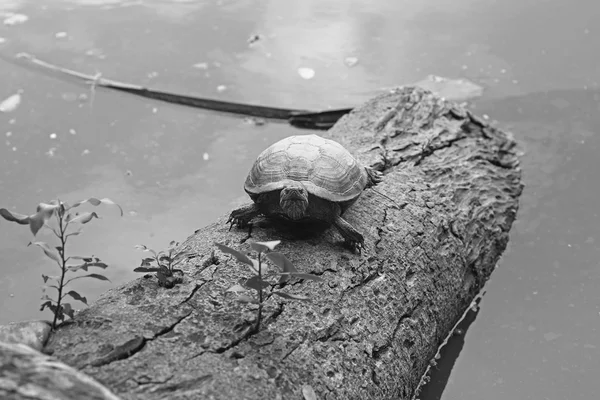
53 136
201 65
15 19
95 53
350 61
254 38
60 35
72 131
221 88
154 110
306 73
255 121
152 74
11 103
128 173
205 156
69 96
451 89
85 152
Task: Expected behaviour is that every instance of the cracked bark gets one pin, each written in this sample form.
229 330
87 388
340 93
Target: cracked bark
375 324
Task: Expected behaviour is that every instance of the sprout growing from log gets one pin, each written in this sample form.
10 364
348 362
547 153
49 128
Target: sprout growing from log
164 263
59 216
258 281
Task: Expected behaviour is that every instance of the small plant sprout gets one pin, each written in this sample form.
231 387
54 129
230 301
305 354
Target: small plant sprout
258 281
64 218
164 263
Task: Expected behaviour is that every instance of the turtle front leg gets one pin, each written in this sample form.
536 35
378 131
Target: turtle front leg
352 237
374 177
243 215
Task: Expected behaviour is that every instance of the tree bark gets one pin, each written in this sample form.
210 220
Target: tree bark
434 230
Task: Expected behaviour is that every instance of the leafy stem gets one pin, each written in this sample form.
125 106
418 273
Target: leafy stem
62 228
258 283
64 216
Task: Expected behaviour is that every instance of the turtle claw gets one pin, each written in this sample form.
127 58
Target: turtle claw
238 222
242 216
355 246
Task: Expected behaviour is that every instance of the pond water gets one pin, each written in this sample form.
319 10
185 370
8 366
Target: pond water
174 169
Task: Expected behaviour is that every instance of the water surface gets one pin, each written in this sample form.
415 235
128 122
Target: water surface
174 169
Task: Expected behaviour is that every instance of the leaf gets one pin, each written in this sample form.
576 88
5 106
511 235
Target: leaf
145 248
45 304
147 261
14 217
262 247
45 278
282 262
84 259
292 296
242 298
239 256
77 296
95 276
84 218
256 283
87 265
236 289
96 202
51 253
67 309
74 233
44 213
146 269
164 259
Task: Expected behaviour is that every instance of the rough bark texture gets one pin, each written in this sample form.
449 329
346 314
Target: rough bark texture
29 374
32 333
434 231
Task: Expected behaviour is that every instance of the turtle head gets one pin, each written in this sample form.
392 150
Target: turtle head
294 201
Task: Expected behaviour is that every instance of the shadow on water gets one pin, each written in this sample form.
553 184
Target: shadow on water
440 372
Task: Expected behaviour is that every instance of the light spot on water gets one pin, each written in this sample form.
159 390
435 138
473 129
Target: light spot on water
16 19
306 73
53 136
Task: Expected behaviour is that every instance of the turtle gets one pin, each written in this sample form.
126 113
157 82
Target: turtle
306 178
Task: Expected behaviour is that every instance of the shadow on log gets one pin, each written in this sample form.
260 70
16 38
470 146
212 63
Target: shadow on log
433 233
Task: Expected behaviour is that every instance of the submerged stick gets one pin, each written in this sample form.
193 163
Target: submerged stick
299 118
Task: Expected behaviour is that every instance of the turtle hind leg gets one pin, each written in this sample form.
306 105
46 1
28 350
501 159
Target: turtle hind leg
353 238
374 176
243 215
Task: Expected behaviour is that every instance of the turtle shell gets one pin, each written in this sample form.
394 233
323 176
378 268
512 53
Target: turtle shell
323 166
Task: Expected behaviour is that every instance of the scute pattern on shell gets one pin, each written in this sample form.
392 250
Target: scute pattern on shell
324 167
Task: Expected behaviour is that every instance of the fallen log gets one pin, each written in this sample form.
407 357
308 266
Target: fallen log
434 230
